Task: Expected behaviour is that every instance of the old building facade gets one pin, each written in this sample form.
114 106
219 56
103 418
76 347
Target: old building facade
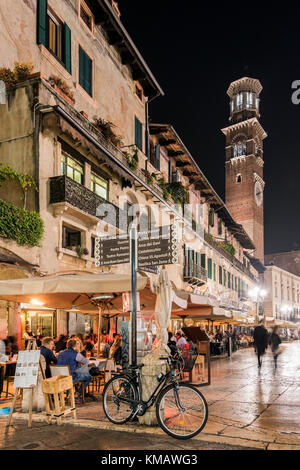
79 126
282 304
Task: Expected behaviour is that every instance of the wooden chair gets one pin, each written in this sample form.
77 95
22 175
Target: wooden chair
99 380
65 370
8 379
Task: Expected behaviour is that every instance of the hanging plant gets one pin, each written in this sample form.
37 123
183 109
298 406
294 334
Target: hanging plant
178 192
228 247
164 187
151 177
132 159
106 128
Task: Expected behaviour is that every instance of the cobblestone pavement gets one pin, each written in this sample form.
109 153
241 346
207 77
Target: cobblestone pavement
248 407
44 437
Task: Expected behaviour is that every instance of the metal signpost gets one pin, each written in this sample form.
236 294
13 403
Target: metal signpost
143 250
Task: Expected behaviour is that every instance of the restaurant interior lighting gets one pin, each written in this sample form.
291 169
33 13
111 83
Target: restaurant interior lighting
36 302
102 297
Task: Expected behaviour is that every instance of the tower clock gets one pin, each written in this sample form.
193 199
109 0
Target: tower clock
244 160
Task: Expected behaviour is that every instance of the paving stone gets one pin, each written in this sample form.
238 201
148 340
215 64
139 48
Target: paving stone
292 439
283 447
250 433
245 413
280 418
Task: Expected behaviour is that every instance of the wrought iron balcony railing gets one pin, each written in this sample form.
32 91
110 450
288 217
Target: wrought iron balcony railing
64 189
194 274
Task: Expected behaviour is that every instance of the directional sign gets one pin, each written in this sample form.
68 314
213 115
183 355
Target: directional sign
155 248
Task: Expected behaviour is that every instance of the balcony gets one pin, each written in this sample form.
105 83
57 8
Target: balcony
194 274
236 263
64 190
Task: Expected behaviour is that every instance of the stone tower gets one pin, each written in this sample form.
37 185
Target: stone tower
244 160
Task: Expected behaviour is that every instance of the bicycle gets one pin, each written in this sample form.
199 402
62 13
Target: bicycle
181 409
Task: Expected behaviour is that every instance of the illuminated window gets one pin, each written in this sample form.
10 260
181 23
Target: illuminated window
239 149
54 35
72 168
99 186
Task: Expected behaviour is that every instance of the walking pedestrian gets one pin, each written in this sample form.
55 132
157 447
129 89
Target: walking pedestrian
274 343
260 337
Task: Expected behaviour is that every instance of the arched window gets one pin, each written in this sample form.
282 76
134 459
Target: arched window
239 149
239 178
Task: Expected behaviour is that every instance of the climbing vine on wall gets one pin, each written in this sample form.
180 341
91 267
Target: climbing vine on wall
23 226
25 181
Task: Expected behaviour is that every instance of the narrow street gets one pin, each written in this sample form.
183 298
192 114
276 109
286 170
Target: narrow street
248 409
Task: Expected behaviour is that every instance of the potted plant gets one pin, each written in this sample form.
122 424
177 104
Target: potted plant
106 128
21 72
62 88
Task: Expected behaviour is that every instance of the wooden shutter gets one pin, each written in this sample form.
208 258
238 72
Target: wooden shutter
220 275
81 67
67 48
157 157
85 71
170 172
203 261
42 22
209 268
138 134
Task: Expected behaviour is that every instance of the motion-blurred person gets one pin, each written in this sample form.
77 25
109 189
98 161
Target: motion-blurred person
261 339
274 342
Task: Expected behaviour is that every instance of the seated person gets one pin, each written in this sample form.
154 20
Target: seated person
61 344
12 346
181 341
88 344
72 357
47 352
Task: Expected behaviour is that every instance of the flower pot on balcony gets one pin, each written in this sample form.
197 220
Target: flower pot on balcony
67 98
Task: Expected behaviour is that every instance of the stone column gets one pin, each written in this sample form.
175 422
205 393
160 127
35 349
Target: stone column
62 324
149 373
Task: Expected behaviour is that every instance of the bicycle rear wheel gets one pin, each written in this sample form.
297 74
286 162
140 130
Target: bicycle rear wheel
115 391
181 413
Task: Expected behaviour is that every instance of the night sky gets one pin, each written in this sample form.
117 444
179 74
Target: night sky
195 54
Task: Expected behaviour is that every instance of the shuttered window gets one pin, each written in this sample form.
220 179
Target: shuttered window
220 275
203 261
54 35
138 134
42 22
211 218
157 157
85 71
67 48
170 172
224 280
209 268
215 272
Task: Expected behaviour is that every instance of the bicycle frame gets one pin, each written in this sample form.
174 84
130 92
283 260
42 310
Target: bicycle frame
168 377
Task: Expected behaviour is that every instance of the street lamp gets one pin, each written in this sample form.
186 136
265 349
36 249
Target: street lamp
258 295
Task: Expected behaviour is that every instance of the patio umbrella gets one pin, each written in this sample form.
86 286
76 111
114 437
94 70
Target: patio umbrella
163 312
87 293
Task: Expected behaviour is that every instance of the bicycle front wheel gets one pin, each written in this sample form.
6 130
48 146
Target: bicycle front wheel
116 392
182 413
